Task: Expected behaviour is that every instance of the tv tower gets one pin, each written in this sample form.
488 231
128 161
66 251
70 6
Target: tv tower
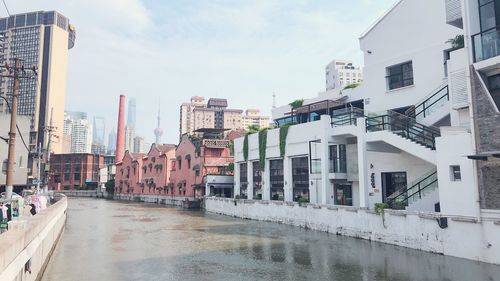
158 131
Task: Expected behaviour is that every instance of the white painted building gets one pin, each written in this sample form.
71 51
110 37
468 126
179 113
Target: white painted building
341 73
387 140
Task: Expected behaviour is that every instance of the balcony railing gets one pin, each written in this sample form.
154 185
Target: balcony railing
486 44
346 116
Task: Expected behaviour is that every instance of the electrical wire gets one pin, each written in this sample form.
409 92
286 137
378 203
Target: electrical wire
17 126
6 8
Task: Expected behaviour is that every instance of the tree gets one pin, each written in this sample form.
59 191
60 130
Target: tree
110 186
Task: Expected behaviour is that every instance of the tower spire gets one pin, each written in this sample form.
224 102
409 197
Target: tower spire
158 131
274 100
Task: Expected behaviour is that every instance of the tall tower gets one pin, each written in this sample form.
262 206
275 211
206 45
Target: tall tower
120 131
40 39
158 131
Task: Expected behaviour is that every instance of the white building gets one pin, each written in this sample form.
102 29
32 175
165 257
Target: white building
77 132
253 117
341 73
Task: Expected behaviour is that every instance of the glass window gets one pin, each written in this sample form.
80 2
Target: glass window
20 20
400 75
276 179
455 173
31 19
243 180
300 178
487 13
257 180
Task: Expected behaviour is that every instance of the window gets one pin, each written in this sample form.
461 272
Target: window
243 180
257 180
338 158
180 164
276 179
400 75
455 173
189 163
300 178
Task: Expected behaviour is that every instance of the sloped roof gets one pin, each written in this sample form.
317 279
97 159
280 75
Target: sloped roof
380 19
165 147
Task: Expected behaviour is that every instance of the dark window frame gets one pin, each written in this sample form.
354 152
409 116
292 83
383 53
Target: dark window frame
398 77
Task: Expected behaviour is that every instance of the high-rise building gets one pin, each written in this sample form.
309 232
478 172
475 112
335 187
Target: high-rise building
215 114
40 39
130 127
341 73
131 112
99 130
111 149
78 131
129 138
138 145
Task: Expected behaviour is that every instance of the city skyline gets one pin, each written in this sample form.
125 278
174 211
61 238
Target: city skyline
203 48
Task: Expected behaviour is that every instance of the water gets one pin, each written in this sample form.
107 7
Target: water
107 240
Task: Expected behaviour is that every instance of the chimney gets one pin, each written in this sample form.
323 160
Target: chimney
120 131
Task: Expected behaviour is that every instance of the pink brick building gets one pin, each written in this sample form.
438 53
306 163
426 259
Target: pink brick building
194 159
129 173
156 169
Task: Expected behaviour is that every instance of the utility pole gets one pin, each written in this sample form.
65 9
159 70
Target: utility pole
16 72
49 129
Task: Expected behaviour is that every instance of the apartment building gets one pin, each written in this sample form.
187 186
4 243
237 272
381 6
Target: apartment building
341 73
215 114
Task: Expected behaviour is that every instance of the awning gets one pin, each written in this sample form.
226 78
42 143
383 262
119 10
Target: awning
321 105
484 156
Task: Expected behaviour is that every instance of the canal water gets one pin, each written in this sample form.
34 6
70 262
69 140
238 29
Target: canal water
109 240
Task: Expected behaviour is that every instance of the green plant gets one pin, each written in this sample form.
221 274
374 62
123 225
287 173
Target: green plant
245 148
230 167
252 129
398 205
457 42
262 149
283 135
297 103
302 201
237 197
379 208
351 86
230 145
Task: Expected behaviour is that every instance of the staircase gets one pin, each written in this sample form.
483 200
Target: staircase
432 108
405 127
420 196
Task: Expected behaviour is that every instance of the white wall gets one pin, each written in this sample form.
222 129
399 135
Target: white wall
21 159
413 31
464 238
456 197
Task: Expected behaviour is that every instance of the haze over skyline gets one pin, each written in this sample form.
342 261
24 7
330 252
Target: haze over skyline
239 50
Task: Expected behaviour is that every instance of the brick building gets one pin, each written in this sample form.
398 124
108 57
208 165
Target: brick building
156 169
75 171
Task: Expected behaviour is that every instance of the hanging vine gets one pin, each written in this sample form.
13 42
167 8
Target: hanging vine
245 148
262 149
283 134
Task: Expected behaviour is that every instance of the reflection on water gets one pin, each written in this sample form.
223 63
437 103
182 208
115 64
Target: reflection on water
106 240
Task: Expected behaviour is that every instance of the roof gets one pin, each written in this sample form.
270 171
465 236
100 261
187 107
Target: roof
165 147
137 156
380 19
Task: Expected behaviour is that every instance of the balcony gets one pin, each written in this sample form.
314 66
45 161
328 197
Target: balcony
486 44
454 13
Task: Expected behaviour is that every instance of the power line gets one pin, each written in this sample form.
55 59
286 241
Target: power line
17 126
6 8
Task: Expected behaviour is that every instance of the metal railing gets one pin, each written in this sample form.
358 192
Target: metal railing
346 116
404 126
424 108
401 197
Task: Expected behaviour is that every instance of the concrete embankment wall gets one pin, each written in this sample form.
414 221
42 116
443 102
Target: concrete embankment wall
31 243
184 202
83 193
463 237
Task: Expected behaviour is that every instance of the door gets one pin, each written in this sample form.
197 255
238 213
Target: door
393 183
343 194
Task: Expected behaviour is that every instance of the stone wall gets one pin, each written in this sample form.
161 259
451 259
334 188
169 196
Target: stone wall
416 230
184 202
487 135
31 242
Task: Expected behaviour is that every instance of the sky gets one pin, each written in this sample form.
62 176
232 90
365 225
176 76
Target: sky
164 52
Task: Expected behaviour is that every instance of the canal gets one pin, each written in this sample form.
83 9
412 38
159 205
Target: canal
109 240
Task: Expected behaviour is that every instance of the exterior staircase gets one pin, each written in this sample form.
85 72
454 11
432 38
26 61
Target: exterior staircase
421 195
433 108
404 133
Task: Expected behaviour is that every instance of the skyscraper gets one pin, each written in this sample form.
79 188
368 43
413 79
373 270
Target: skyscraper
131 113
78 131
98 130
111 149
130 127
40 39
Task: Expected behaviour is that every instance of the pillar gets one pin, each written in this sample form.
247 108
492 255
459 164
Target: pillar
237 183
250 179
362 164
266 182
287 176
325 168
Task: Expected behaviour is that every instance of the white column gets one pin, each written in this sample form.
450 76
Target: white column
325 182
287 176
266 182
237 183
362 164
250 180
